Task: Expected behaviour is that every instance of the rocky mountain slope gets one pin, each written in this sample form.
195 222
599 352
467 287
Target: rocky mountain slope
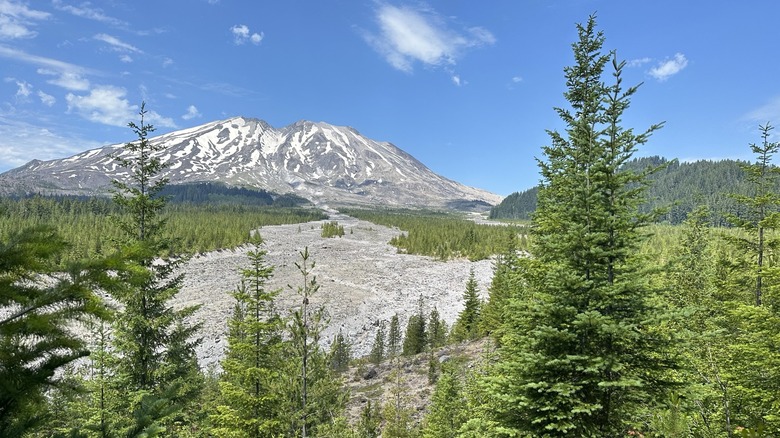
318 161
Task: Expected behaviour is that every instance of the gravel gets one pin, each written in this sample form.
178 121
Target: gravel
363 280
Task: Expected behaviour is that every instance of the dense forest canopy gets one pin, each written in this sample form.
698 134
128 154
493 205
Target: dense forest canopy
676 189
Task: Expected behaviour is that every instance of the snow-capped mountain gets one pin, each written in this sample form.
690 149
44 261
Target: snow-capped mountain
321 162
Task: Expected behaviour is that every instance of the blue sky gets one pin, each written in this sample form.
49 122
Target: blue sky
466 87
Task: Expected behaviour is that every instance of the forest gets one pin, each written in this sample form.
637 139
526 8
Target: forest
604 317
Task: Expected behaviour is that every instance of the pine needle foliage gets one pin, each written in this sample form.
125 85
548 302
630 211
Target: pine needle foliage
579 354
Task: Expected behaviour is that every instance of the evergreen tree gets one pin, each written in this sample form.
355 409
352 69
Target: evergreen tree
378 349
751 318
580 355
38 304
447 411
416 340
394 337
155 346
313 394
370 421
761 210
249 402
397 412
503 284
467 326
340 353
437 329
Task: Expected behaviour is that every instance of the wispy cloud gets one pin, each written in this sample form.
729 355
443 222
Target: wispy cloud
167 62
46 99
242 34
669 67
408 35
192 112
20 140
24 89
639 62
85 10
127 59
116 44
108 105
67 79
17 20
67 75
768 112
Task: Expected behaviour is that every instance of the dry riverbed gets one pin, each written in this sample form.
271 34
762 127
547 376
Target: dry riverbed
363 280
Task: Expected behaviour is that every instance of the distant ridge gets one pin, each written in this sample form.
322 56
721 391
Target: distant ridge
678 188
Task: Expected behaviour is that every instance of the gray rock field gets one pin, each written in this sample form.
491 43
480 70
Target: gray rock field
363 280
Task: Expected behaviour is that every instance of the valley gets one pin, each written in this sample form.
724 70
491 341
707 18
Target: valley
363 280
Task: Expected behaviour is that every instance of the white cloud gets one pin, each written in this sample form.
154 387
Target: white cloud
116 44
104 104
669 67
107 104
167 62
86 11
242 34
192 112
126 58
16 19
69 76
46 99
24 89
517 79
456 80
638 62
407 35
70 80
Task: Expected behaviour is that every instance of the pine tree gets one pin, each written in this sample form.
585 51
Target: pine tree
467 325
249 403
580 356
437 329
394 337
154 345
378 349
340 353
416 339
762 214
38 304
447 411
503 285
313 393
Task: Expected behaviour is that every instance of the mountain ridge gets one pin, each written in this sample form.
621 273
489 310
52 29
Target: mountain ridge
316 160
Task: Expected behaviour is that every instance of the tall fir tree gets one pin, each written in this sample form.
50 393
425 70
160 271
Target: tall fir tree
249 401
394 337
416 337
155 345
579 355
447 410
503 284
378 353
467 326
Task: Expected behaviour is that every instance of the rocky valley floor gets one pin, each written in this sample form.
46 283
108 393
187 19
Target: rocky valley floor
363 280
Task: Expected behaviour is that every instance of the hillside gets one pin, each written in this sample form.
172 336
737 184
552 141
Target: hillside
677 188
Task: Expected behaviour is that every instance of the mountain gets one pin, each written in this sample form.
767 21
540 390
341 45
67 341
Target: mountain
324 163
677 188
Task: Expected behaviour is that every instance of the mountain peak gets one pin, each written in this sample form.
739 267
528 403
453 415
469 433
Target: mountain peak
316 160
